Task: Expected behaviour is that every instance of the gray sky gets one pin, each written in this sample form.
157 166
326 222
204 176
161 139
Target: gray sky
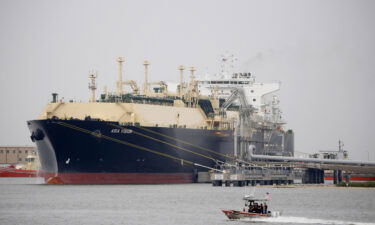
323 52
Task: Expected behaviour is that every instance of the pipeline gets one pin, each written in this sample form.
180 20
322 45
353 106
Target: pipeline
324 161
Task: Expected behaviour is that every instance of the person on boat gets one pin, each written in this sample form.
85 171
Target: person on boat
251 207
255 209
260 208
265 208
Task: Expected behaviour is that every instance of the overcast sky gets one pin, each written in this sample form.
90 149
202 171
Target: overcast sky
323 52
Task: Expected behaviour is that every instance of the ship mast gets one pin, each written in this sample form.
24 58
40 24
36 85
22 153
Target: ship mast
192 91
145 85
120 91
181 90
227 64
92 86
192 70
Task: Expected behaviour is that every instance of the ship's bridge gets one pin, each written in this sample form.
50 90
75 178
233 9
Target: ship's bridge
257 94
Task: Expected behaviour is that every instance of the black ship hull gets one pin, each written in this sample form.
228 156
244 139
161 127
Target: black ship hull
100 152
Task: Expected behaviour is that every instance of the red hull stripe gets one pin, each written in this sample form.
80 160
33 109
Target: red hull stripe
121 178
10 172
354 178
228 212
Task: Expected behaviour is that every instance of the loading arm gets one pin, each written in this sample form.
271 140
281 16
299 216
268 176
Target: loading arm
133 85
245 109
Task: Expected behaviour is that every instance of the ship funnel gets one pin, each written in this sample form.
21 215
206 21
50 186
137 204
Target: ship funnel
54 97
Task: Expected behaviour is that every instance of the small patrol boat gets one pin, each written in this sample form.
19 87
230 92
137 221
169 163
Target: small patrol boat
254 208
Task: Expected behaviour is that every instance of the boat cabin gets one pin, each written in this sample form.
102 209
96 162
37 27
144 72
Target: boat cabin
256 205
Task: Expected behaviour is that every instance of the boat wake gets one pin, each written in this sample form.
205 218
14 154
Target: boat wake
302 220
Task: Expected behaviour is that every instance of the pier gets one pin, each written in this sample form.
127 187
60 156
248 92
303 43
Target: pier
288 170
251 176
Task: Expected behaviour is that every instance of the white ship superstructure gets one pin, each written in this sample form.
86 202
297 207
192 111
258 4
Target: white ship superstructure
259 95
268 136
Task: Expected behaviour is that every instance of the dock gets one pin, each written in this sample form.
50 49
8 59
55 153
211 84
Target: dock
251 175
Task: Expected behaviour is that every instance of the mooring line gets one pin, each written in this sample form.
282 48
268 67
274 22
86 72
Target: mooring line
187 143
133 145
167 143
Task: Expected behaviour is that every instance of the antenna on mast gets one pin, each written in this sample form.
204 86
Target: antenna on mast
92 85
341 144
227 64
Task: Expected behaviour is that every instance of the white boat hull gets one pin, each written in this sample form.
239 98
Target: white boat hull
235 214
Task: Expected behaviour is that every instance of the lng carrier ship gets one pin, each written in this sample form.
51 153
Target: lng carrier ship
157 134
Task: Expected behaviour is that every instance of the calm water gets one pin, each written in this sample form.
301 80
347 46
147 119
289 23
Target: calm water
26 201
